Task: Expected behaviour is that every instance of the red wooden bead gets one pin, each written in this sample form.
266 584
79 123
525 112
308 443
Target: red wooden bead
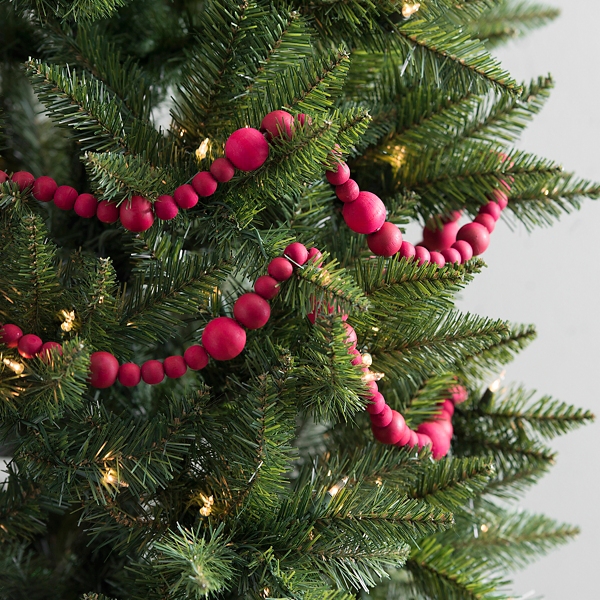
486 220
65 196
387 241
196 357
302 119
351 338
447 406
372 388
11 334
266 287
376 404
314 254
223 338
104 368
414 439
136 214
185 196
86 206
422 255
437 258
340 175
252 311
455 215
174 366
277 123
3 176
23 179
391 433
29 345
440 442
407 250
222 170
464 249
347 192
404 438
48 349
446 428
366 214
166 208
44 188
383 418
435 238
153 372
130 374
423 440
247 149
297 253
108 212
451 255
476 235
204 184
500 196
458 394
491 208
280 268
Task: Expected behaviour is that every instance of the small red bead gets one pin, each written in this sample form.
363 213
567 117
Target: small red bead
500 196
108 212
185 196
476 235
464 249
11 334
166 208
314 254
440 441
372 388
44 188
491 208
247 149
23 179
153 372
277 123
451 256
29 345
86 206
252 311
175 367
3 176
407 250
391 433
104 368
486 220
366 214
404 438
340 175
302 119
447 406
204 184
223 338
376 404
222 170
351 338
130 374
347 192
436 238
414 439
297 253
387 241
422 255
196 357
437 258
280 268
383 418
65 196
266 287
48 349
136 214
357 360
423 440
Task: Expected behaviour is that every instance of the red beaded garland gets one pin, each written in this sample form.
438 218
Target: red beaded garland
104 368
366 214
437 258
29 345
174 367
195 357
44 188
223 338
407 250
440 442
86 206
266 286
252 311
383 418
296 252
11 334
247 149
340 175
392 432
166 208
422 255
108 212
185 196
347 192
129 374
451 255
136 214
387 241
204 184
222 170
153 372
64 197
280 268
376 404
23 179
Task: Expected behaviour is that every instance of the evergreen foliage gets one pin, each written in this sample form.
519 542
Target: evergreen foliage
259 477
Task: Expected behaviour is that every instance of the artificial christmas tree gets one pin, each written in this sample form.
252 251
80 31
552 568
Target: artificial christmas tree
195 320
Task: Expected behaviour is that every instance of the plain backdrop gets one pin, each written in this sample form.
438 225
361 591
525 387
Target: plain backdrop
551 277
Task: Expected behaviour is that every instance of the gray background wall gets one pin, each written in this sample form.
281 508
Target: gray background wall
551 277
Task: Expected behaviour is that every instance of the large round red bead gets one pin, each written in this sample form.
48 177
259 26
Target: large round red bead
174 366
129 374
439 238
10 335
29 345
277 123
136 214
223 338
387 241
195 357
266 286
65 196
153 372
392 432
476 235
44 188
104 368
107 212
252 311
247 149
440 441
366 214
